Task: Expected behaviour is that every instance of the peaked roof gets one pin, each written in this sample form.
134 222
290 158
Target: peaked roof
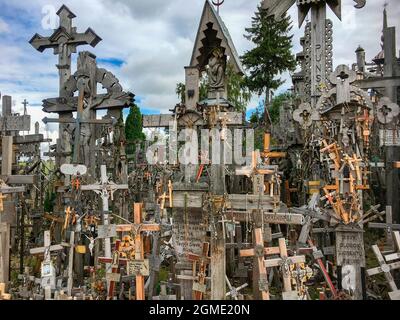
212 31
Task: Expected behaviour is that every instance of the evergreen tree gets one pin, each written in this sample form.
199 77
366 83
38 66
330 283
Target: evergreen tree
134 129
271 55
238 94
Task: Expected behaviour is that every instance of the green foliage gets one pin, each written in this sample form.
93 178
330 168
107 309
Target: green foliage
180 91
238 94
271 55
276 106
134 128
49 201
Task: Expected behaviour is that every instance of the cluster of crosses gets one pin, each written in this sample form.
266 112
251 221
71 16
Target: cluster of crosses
220 231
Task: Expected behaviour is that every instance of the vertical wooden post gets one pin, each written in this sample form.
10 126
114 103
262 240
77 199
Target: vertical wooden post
139 253
71 263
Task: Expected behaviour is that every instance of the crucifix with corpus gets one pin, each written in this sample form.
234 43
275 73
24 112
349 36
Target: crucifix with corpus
105 189
321 60
139 266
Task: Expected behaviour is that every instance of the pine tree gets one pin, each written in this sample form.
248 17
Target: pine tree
134 129
271 55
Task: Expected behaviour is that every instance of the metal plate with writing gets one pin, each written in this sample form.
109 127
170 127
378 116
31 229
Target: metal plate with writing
107 231
138 267
350 248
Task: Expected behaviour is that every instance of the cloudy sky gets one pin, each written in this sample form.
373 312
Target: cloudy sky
146 43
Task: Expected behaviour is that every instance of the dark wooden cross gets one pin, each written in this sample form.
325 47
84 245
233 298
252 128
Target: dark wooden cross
64 41
138 227
199 286
114 276
284 262
260 276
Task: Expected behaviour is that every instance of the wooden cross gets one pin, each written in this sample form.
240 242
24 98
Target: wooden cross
389 226
64 41
259 271
234 292
46 250
199 287
68 213
138 228
115 263
164 196
385 268
396 255
284 262
366 120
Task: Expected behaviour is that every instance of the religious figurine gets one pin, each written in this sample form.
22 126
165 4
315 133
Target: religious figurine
216 70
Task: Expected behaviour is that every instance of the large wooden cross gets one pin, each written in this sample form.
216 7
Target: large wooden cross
64 40
284 262
105 189
138 227
199 286
115 262
260 280
386 270
46 250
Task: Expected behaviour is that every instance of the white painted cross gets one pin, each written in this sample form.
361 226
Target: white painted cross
105 189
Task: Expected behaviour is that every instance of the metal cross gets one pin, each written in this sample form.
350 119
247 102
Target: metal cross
218 3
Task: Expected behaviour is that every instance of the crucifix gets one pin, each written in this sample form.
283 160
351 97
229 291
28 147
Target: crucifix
105 189
260 277
199 286
388 225
64 41
48 271
386 269
139 266
321 34
284 262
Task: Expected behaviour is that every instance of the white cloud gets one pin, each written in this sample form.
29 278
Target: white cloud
155 39
4 26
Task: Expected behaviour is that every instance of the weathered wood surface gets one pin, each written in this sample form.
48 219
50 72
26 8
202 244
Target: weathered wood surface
249 202
187 199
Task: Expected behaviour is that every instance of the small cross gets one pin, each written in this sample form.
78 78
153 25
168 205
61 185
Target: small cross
25 103
234 292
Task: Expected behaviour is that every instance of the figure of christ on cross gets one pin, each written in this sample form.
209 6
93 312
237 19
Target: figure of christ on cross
138 227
